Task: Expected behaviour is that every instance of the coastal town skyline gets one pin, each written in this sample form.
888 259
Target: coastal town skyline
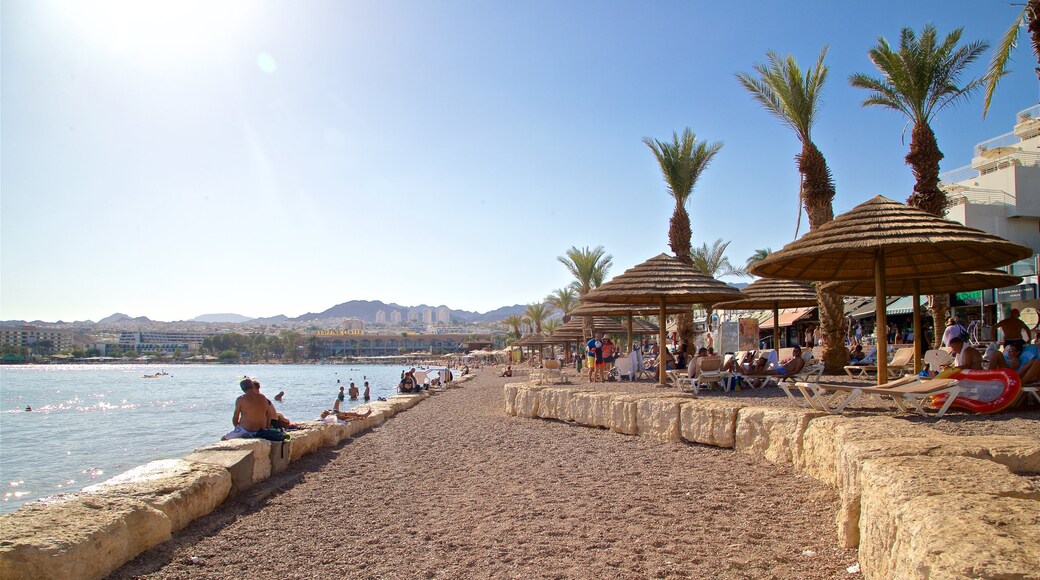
175 159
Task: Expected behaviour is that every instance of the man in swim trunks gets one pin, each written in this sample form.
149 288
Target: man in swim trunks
789 366
1013 329
353 391
253 411
368 394
346 416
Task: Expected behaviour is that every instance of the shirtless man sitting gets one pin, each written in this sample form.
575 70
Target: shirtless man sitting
965 357
253 412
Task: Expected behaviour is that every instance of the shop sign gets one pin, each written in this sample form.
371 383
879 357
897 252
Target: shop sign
1016 293
967 298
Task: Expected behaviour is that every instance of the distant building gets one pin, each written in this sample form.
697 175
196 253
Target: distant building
380 317
354 324
31 336
167 342
427 315
444 314
392 344
395 317
413 315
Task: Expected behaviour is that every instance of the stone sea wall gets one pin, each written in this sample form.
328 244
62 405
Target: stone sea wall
918 503
93 532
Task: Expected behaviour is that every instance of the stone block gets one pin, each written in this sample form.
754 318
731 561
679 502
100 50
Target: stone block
182 490
280 455
710 422
947 517
527 400
78 536
657 418
384 408
623 413
555 403
335 432
825 436
509 391
248 460
308 439
406 401
591 408
774 433
1018 454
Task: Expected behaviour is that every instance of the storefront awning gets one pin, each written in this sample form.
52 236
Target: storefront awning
905 305
788 316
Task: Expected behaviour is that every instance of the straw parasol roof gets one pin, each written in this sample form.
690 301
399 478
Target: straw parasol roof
666 278
881 239
914 243
663 280
533 339
771 294
606 309
962 282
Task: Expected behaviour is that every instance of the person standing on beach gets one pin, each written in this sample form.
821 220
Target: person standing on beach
1013 329
367 395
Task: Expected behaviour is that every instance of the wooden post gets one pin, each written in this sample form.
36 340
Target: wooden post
881 328
662 376
918 339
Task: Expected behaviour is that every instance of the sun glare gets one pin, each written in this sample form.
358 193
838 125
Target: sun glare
153 29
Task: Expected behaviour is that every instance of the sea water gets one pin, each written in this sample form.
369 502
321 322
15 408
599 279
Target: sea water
92 422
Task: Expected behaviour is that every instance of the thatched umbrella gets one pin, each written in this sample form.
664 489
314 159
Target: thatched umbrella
663 280
881 239
628 310
768 294
532 340
963 282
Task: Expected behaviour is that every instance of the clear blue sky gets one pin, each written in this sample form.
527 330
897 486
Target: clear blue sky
174 159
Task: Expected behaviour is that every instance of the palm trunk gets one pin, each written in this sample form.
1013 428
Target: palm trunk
923 159
818 192
679 241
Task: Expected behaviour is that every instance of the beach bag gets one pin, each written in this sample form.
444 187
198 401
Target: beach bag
272 434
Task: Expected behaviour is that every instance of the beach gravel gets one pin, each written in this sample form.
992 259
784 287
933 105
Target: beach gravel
456 488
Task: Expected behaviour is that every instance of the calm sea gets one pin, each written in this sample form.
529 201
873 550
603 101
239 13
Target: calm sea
92 422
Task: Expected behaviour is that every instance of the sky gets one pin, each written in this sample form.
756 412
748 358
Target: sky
173 159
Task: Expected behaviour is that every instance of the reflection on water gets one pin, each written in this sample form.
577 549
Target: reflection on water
92 422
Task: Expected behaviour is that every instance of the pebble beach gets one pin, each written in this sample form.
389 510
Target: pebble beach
457 488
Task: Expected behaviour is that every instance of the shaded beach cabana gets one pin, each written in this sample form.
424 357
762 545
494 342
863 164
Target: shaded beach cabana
627 310
963 282
881 239
772 294
663 280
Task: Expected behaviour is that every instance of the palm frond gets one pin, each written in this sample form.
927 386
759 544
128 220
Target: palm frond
1001 58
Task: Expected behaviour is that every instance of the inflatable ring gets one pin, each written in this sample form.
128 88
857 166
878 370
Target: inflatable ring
984 391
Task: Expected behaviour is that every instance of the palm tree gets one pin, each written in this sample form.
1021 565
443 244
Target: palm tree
537 313
515 322
589 267
759 255
919 80
713 262
551 325
792 96
1030 16
563 299
682 162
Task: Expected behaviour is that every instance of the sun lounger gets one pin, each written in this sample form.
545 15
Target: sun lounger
1032 389
908 393
707 373
902 361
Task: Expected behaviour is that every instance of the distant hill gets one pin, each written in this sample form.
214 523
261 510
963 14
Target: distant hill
366 310
221 318
120 317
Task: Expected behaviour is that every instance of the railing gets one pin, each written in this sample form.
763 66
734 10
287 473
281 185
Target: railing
980 196
958 175
1026 114
1005 140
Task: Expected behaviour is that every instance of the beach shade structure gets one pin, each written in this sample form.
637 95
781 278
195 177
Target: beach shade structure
626 310
532 340
881 239
773 294
663 280
962 282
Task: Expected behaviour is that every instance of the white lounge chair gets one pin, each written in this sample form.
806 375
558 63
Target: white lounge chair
707 372
624 368
909 393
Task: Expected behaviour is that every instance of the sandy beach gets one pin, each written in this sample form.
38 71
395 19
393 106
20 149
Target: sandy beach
456 488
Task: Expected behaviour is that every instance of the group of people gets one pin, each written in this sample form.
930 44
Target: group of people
599 351
353 392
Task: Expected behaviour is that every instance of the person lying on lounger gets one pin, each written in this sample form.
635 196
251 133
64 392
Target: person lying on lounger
346 416
789 366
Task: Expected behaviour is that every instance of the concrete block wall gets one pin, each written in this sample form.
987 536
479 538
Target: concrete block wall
918 503
93 532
